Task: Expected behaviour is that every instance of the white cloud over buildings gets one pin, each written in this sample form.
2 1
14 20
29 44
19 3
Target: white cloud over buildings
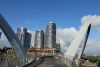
93 19
4 41
65 37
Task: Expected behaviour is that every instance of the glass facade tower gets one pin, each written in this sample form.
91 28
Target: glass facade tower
50 36
39 39
24 37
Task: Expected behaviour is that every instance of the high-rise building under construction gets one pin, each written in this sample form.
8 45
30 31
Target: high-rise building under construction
50 35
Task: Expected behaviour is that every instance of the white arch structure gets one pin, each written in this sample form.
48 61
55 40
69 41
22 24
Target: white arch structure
71 52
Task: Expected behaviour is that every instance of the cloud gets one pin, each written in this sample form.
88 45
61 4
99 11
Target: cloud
93 19
93 47
65 37
4 41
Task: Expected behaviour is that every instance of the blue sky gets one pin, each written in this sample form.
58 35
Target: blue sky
35 14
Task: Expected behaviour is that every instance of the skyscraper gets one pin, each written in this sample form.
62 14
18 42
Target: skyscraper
58 46
24 37
39 39
32 39
18 33
0 34
50 35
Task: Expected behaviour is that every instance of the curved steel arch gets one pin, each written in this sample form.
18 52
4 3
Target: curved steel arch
12 38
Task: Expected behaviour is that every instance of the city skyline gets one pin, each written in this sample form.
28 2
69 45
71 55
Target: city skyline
24 37
68 15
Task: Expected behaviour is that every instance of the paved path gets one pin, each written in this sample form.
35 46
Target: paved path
49 61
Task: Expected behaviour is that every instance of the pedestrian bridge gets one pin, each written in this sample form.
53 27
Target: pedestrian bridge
69 55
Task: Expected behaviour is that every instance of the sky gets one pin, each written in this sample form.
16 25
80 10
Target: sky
67 14
37 13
